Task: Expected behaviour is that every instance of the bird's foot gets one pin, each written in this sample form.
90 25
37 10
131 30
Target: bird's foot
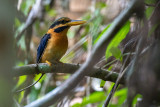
49 63
54 63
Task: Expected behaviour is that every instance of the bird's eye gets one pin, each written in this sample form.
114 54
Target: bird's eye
63 21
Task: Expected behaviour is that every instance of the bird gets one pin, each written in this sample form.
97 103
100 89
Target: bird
54 43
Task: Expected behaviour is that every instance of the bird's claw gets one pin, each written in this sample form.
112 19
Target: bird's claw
49 63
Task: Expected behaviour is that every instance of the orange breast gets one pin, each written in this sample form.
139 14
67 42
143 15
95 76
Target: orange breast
56 47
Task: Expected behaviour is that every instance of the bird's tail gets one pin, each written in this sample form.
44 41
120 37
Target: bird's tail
29 85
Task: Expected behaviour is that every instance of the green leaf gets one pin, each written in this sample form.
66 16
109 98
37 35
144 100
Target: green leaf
116 52
135 99
149 11
70 34
122 95
93 98
153 29
99 36
110 68
38 76
94 25
21 96
21 80
33 95
17 22
100 5
21 43
110 88
77 105
150 1
52 13
117 39
19 63
67 58
102 83
26 6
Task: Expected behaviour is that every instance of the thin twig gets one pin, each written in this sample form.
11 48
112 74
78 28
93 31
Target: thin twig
36 13
121 75
152 5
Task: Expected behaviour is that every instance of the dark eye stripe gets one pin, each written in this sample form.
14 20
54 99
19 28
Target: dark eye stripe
60 29
58 22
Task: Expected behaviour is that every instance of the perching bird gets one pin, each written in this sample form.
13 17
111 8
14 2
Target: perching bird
54 43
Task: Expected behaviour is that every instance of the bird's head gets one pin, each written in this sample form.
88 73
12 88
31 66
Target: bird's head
63 24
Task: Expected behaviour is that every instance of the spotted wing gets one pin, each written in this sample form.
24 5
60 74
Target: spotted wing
42 46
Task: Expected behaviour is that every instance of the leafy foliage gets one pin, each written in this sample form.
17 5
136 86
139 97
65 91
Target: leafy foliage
93 98
112 48
81 40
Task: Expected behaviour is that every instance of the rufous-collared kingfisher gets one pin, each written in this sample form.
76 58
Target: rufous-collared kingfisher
54 43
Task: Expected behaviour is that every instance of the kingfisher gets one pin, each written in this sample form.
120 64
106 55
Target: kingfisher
54 43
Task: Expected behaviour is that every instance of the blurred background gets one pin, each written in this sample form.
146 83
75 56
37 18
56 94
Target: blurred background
81 40
32 20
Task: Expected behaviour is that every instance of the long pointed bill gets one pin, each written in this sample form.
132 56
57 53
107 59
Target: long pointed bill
75 22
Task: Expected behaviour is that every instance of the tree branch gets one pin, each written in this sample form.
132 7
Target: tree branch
97 52
65 68
37 12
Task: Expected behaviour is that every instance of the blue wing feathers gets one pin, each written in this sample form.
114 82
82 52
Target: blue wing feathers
42 46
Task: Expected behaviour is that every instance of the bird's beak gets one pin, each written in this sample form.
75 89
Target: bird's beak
75 22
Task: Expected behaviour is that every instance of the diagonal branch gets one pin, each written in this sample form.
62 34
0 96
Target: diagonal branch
97 52
37 12
65 68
